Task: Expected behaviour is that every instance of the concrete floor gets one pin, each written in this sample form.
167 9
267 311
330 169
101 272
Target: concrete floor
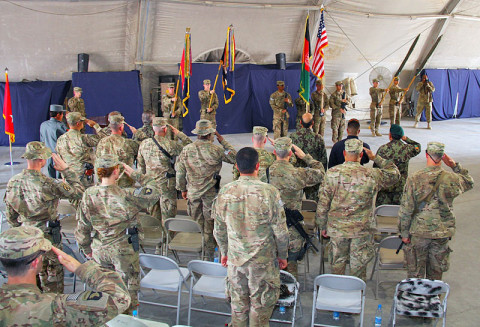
461 138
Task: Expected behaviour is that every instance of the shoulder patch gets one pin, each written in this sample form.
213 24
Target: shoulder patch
95 301
66 187
148 191
227 152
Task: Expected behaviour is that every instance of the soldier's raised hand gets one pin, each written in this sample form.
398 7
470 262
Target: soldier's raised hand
174 130
66 260
90 122
298 152
133 129
59 164
219 137
448 160
271 141
369 153
128 170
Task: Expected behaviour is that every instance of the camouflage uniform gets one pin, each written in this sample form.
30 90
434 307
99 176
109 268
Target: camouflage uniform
280 119
108 211
291 181
152 160
196 167
320 100
26 305
167 106
394 108
430 228
345 209
301 109
143 133
76 149
338 119
425 100
31 199
250 229
314 145
204 97
400 153
376 110
125 149
77 105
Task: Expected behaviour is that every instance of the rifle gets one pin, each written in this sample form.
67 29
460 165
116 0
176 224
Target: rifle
344 104
294 217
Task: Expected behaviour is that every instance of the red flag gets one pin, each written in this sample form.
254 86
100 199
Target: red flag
7 111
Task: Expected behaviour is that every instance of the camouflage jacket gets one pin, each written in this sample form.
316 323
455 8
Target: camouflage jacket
277 102
143 133
347 198
151 158
250 222
319 99
204 97
109 210
76 149
400 153
310 143
167 105
77 105
31 198
376 94
125 149
425 92
395 94
302 108
197 164
26 305
436 218
291 181
336 102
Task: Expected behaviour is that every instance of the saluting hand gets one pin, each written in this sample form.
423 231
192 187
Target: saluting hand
59 164
369 153
66 260
219 137
448 161
298 152
128 170
174 130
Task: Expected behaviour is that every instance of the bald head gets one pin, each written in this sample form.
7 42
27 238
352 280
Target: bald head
307 120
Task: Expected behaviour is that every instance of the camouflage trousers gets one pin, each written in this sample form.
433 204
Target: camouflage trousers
124 260
428 111
253 290
319 124
384 197
166 207
427 258
395 113
200 210
311 193
280 127
359 250
209 117
338 126
295 244
51 276
375 118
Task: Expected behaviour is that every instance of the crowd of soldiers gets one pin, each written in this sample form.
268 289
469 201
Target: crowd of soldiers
255 220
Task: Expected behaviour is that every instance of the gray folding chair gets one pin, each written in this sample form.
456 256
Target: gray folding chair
386 217
290 301
164 275
387 259
309 208
182 207
416 297
338 293
80 258
152 234
210 283
188 237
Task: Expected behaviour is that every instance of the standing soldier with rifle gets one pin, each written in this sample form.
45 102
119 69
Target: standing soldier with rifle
171 106
320 105
209 103
338 101
280 101
376 108
396 97
425 99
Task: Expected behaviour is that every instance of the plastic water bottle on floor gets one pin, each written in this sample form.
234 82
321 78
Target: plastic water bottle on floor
336 315
135 314
216 256
282 310
378 316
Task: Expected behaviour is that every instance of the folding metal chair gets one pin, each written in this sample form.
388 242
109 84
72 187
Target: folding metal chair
386 216
309 208
188 237
182 207
152 235
80 258
211 283
290 301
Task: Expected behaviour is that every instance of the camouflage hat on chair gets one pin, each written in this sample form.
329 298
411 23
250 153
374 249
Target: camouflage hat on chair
160 121
203 127
283 144
280 83
107 161
36 150
436 148
19 242
353 146
260 130
74 117
116 119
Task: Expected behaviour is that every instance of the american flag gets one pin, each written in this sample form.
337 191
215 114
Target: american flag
322 41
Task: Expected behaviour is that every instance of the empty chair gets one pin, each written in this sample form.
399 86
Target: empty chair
188 236
416 297
164 275
210 283
65 208
152 235
338 293
182 207
125 320
386 258
309 208
289 300
80 258
386 216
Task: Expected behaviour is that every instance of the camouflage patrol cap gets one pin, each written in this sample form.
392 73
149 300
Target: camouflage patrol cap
338 83
206 81
74 117
203 127
260 130
56 108
19 242
436 148
396 130
77 89
107 161
170 85
36 150
116 119
396 78
280 83
375 80
160 121
318 82
282 144
353 146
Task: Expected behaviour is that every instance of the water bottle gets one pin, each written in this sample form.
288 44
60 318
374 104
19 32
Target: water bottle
336 315
282 310
378 316
135 314
216 256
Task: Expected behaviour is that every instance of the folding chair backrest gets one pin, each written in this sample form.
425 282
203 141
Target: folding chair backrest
340 282
388 210
423 286
65 208
207 268
76 254
182 225
286 277
157 262
391 242
309 205
148 221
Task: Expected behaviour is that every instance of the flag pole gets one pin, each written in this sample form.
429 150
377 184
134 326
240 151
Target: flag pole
214 85
5 114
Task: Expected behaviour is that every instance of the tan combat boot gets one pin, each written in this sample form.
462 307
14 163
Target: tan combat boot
373 133
378 133
428 126
415 125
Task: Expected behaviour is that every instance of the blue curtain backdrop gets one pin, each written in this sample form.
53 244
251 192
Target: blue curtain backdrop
30 105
